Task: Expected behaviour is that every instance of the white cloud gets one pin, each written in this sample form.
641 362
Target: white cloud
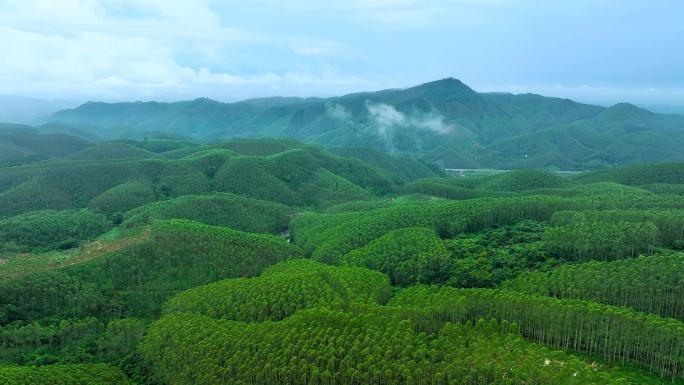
598 94
405 13
385 119
140 49
338 111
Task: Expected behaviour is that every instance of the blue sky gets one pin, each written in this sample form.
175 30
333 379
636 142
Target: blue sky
600 51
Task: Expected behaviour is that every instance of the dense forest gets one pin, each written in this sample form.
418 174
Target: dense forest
443 121
271 261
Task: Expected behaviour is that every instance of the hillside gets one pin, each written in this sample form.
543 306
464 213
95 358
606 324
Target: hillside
261 261
115 177
20 142
20 109
443 121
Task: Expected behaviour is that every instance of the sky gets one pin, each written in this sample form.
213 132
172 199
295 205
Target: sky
597 51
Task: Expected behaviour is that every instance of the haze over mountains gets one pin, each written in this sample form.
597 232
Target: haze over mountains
20 109
443 121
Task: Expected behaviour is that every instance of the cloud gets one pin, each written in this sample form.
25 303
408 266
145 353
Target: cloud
386 118
405 13
598 94
149 49
338 111
432 121
385 121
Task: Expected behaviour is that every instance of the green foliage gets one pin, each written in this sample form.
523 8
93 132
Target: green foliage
330 347
124 197
641 174
51 229
20 143
244 308
180 254
489 257
305 176
53 293
603 235
112 150
522 180
121 338
219 209
301 177
75 184
441 190
87 374
493 130
65 341
665 188
402 167
408 256
613 333
160 145
670 223
598 190
135 280
648 284
260 147
330 236
283 290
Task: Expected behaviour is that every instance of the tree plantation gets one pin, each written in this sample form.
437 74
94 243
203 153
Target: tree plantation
273 262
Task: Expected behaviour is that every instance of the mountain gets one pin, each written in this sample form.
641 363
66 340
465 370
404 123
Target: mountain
23 142
443 121
20 109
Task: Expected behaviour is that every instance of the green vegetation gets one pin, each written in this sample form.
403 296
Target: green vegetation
21 144
649 284
173 256
636 175
670 223
50 229
112 150
219 209
326 347
124 197
94 374
444 121
329 236
283 290
268 261
582 240
613 333
523 180
491 256
409 255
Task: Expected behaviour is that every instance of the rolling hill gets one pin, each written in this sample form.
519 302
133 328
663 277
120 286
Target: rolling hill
443 121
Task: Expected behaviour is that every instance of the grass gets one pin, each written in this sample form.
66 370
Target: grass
14 265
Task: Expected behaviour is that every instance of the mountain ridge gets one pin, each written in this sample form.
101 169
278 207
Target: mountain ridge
443 121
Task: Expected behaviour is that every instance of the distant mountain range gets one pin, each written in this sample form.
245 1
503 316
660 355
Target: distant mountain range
20 109
443 121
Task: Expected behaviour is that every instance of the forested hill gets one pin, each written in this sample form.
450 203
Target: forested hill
443 121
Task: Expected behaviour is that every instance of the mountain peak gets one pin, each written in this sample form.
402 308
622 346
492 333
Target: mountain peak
449 83
626 109
447 88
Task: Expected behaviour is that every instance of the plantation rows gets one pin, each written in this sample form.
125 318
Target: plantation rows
330 347
516 278
175 255
90 374
329 236
291 286
615 334
652 284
